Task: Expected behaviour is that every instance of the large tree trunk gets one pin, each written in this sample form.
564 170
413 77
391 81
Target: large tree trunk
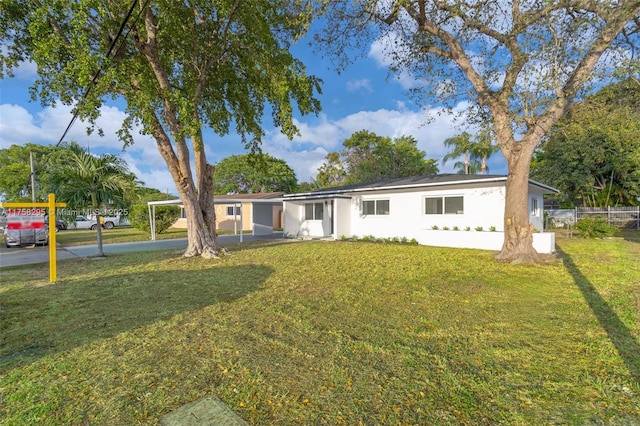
204 174
518 231
199 238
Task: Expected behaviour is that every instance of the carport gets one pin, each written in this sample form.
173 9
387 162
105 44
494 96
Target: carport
261 212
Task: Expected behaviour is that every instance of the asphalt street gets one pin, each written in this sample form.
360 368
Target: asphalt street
28 255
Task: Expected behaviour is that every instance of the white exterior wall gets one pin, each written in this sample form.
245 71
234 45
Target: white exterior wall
482 207
342 217
292 215
295 224
543 242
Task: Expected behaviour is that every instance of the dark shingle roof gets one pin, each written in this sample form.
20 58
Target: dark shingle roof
406 182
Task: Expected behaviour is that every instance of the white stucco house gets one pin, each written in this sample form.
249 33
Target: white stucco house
448 210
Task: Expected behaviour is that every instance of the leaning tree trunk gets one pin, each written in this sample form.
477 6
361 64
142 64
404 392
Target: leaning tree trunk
518 231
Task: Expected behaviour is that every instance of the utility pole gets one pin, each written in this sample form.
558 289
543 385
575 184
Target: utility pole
33 178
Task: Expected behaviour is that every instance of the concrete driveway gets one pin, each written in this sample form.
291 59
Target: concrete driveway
26 255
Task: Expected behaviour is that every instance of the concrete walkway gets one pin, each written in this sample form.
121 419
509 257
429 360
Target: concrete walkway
25 256
175 244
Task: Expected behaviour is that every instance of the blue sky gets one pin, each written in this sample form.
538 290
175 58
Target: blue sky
365 96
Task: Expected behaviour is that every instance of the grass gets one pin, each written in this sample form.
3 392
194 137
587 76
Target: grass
327 333
74 237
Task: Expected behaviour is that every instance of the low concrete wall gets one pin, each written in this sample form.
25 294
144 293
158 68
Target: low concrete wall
543 242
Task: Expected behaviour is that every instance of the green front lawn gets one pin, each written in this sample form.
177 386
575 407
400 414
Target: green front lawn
75 237
327 333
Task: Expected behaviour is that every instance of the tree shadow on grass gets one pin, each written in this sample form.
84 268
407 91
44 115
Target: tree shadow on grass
38 321
624 341
630 235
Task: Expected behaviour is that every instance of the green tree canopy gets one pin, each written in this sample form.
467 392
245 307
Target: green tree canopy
180 66
252 173
593 155
15 178
144 194
367 156
517 65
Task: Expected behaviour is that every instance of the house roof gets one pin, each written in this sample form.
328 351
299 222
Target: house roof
249 197
261 197
410 182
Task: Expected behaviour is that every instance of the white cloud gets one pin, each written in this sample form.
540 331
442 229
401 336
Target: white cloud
26 70
381 50
18 126
356 85
430 127
304 154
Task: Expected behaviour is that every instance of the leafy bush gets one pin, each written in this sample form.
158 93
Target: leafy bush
492 228
381 240
455 228
165 217
594 227
478 228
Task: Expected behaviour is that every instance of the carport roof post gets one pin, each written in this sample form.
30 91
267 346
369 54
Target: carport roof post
151 205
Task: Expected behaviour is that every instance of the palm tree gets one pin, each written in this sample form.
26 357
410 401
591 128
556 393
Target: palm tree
475 151
84 179
483 148
461 145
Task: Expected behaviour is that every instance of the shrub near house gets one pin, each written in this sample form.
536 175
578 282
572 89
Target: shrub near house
165 217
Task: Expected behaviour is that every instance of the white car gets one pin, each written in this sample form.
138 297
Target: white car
83 222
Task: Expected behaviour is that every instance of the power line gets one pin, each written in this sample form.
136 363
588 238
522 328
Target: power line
95 77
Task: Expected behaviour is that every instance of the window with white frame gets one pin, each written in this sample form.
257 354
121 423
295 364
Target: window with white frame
233 210
375 207
313 211
535 207
444 205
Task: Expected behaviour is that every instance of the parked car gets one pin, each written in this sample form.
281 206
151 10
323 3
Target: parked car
82 222
88 222
60 224
16 236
